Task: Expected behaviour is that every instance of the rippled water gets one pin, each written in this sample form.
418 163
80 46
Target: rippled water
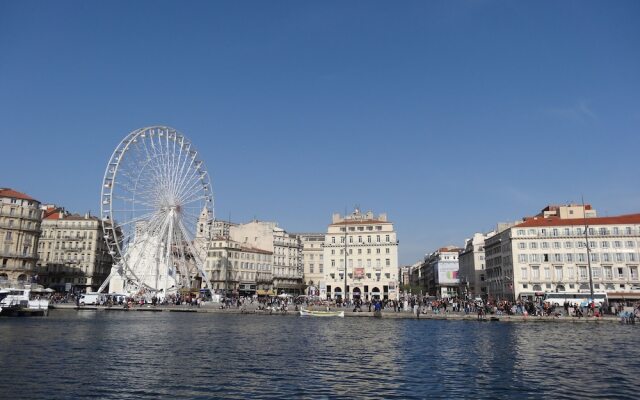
139 355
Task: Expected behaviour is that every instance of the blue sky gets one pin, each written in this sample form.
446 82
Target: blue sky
448 115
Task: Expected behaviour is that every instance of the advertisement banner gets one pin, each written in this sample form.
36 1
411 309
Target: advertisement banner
358 273
448 273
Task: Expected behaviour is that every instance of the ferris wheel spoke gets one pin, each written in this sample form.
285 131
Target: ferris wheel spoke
197 257
188 175
194 186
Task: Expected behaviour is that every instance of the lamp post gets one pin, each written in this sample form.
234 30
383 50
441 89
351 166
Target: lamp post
345 261
586 238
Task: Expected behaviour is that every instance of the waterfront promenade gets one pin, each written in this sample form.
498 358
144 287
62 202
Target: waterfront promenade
252 309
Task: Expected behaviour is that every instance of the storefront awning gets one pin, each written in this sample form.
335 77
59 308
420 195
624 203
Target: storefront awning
261 292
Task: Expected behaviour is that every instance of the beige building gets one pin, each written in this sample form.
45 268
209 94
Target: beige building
238 269
366 249
72 252
285 247
472 266
312 245
20 218
552 252
439 273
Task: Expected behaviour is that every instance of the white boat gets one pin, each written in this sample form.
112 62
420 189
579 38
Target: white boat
311 313
24 301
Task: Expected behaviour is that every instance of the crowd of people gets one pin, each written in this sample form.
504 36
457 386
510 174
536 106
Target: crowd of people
419 305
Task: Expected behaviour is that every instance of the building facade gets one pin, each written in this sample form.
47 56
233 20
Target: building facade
364 249
312 245
72 252
440 271
554 251
20 219
285 247
238 269
472 267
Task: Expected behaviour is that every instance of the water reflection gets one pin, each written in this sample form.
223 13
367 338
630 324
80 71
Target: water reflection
158 355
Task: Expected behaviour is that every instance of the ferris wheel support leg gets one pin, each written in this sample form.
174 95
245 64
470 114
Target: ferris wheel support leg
114 271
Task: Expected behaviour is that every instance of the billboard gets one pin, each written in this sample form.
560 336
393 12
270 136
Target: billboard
448 272
358 273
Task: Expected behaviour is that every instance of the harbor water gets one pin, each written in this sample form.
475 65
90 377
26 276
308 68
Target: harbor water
134 355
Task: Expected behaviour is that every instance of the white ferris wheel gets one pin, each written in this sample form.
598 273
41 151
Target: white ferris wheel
156 207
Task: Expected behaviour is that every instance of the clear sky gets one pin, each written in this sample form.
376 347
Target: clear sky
448 115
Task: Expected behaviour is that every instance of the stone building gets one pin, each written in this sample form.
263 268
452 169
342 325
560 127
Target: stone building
72 252
554 251
285 247
365 248
20 219
439 272
312 245
472 266
238 269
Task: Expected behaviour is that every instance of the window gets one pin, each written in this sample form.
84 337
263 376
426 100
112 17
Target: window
545 245
534 258
604 245
633 271
619 257
582 257
632 257
568 245
388 262
524 271
311 268
520 232
522 245
568 257
608 273
583 272
620 272
535 273
617 244
570 273
557 257
533 245
522 258
387 238
606 257
321 268
595 257
547 273
556 245
559 274
630 244
387 250
597 272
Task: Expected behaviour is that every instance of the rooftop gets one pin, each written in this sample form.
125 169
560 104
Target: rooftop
8 192
556 221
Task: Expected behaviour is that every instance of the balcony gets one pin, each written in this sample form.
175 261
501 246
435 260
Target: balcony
35 215
14 254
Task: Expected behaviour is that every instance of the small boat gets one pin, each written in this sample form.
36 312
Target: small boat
24 301
311 313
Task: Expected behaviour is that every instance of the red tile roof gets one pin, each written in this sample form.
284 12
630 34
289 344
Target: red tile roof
7 192
556 221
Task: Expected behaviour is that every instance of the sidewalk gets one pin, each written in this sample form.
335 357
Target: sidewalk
251 309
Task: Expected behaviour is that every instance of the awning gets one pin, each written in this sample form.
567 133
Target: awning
262 292
623 295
